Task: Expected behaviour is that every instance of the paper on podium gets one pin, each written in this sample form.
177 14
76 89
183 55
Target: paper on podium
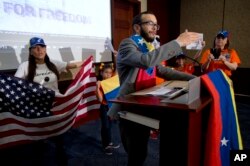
167 89
187 98
181 92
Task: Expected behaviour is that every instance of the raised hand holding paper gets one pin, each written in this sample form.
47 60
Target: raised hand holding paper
196 45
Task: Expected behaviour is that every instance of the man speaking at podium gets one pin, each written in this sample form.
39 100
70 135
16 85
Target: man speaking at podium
138 64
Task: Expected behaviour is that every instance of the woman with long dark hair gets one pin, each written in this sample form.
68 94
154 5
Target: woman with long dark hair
40 69
220 56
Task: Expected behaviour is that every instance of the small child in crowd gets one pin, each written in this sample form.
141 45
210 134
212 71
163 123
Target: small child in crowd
106 71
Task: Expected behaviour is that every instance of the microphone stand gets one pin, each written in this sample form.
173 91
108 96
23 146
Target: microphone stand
197 55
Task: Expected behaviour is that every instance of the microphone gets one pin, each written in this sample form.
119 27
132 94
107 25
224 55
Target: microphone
195 61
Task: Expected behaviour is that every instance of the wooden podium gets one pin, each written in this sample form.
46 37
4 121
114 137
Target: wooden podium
181 125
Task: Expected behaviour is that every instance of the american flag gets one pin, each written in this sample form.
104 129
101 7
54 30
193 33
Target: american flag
29 111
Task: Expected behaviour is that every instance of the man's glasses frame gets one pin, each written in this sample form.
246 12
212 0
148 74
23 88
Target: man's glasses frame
150 23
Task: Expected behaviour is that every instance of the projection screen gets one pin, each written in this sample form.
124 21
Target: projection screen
72 29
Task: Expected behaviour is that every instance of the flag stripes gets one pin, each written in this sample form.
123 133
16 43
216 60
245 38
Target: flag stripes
73 108
223 132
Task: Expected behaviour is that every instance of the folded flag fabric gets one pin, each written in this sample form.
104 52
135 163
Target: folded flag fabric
223 133
29 111
110 88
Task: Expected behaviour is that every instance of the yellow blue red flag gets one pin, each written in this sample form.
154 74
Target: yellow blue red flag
223 133
110 88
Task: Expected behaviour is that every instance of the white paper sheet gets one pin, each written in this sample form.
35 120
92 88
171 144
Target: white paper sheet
196 45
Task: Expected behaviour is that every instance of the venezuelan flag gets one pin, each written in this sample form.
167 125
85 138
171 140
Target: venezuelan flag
110 88
223 133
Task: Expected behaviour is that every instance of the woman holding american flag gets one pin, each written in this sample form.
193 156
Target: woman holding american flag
40 69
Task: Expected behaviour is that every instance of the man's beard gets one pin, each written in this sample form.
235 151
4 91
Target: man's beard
145 36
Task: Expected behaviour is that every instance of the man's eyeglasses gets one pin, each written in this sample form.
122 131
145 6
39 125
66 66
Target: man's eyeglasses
150 23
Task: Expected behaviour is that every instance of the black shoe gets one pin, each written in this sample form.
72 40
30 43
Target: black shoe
108 150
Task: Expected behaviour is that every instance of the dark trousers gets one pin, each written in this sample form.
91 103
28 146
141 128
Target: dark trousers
36 153
29 154
106 125
60 152
134 138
